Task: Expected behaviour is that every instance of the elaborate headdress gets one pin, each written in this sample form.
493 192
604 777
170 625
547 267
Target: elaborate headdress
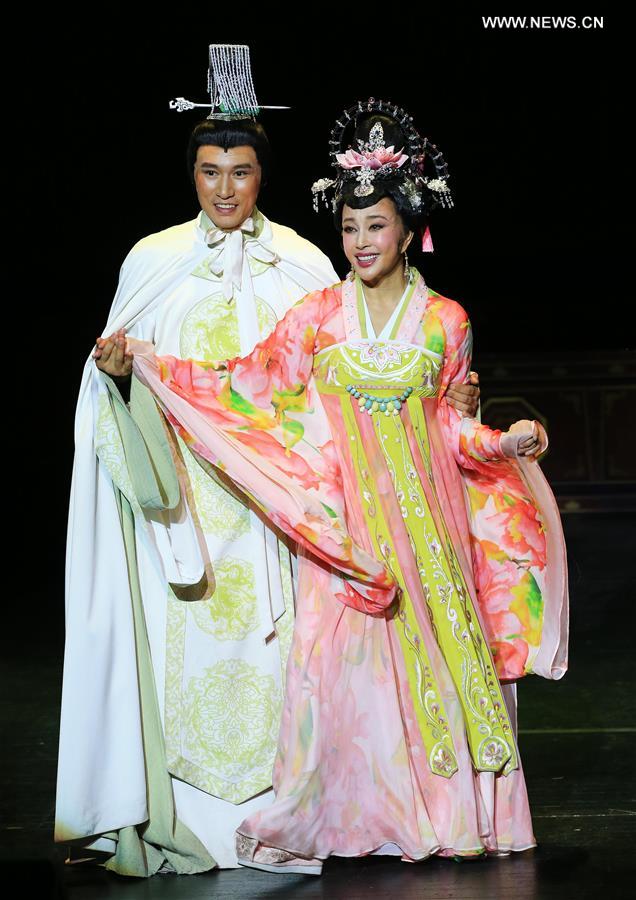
373 161
230 85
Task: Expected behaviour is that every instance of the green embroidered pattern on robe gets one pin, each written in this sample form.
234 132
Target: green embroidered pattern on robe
226 719
210 330
110 449
232 612
222 723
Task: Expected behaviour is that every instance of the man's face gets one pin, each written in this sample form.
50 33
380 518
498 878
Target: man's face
227 184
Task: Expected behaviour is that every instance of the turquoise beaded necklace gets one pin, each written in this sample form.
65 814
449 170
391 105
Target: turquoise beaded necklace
371 403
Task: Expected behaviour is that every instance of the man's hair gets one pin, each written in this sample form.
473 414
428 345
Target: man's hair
234 133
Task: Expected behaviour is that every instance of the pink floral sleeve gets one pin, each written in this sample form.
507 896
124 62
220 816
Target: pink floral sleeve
469 440
260 419
508 531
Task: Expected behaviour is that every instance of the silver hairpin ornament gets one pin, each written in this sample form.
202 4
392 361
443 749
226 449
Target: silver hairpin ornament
230 85
410 191
441 190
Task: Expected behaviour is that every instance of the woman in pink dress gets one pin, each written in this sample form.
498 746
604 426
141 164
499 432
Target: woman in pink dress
430 554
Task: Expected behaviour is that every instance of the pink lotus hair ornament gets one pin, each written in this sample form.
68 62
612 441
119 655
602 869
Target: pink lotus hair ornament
373 161
372 157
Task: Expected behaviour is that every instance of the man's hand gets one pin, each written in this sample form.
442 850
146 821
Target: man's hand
111 356
465 397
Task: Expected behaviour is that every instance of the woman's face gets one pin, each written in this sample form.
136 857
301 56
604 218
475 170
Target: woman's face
374 239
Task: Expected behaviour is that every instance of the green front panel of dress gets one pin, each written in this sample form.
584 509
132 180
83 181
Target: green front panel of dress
382 370
427 700
451 613
498 730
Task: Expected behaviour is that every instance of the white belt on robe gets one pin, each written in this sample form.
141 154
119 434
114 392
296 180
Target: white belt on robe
229 260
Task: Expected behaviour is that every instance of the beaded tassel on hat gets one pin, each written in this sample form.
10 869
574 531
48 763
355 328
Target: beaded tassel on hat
230 82
230 85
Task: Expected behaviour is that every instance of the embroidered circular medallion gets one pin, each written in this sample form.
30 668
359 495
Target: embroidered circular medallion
231 613
210 330
231 718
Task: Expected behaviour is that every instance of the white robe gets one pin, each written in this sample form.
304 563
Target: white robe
218 662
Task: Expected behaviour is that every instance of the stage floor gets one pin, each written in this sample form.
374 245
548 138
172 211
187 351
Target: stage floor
578 756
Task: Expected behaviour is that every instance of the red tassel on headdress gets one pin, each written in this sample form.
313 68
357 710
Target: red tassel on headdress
427 241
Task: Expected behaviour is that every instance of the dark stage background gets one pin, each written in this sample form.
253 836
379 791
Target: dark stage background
519 115
522 118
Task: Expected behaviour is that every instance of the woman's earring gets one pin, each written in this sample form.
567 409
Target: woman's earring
406 267
351 276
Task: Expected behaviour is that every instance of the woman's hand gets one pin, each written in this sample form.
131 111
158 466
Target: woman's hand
465 397
525 438
112 356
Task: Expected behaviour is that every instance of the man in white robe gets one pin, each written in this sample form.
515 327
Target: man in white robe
218 647
179 599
